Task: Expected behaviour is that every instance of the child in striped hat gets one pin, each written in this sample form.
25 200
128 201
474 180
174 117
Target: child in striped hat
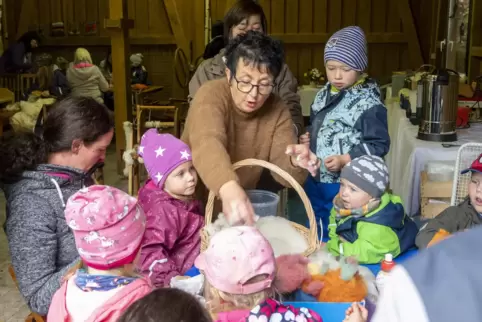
348 118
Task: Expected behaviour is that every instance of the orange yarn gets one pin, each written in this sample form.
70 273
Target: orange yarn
337 290
439 236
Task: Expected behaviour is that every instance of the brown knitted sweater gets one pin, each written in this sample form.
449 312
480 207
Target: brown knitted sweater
219 135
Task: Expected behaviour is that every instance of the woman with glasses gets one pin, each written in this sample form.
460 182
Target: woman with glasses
243 16
239 117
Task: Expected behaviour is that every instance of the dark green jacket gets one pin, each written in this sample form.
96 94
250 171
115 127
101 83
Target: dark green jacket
453 219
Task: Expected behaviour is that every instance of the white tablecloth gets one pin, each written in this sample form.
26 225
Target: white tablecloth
307 96
408 155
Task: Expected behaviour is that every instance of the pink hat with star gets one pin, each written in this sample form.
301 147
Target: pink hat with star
162 153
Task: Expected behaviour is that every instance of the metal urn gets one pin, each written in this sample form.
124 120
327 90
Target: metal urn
437 98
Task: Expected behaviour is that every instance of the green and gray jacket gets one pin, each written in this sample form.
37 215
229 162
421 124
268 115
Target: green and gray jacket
368 238
453 219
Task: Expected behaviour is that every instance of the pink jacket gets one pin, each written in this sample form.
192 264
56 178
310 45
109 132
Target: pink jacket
172 239
112 309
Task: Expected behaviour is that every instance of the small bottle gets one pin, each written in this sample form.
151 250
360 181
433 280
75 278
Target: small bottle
387 266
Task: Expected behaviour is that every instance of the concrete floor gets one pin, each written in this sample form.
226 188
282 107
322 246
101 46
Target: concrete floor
12 305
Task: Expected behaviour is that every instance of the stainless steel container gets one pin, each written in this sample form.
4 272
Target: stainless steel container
439 103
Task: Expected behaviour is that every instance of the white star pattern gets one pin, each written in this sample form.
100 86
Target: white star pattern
185 155
141 149
160 151
158 177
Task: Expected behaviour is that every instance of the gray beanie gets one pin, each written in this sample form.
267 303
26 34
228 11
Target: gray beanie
368 173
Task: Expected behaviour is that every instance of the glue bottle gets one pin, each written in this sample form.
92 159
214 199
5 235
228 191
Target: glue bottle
387 266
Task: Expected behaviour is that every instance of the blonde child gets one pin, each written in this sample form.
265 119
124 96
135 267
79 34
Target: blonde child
85 78
366 221
239 269
108 226
465 215
174 218
348 117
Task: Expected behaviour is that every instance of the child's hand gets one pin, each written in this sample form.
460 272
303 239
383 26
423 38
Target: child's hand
356 313
305 139
335 163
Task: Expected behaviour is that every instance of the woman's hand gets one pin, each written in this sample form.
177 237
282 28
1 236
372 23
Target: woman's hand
302 157
356 313
236 205
305 139
335 163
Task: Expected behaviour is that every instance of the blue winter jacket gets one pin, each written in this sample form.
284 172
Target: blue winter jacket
353 121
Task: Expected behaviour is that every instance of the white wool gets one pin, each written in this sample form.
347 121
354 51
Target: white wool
282 236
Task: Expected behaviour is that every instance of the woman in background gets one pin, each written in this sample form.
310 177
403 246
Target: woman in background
18 57
85 78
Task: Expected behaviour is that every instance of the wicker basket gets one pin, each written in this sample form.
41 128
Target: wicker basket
311 234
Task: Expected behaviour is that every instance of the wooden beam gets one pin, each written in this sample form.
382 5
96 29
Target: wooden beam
408 27
321 38
121 75
476 51
176 26
77 41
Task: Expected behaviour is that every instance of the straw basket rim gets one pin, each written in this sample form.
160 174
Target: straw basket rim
310 234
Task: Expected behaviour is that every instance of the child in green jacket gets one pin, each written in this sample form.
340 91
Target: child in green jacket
366 221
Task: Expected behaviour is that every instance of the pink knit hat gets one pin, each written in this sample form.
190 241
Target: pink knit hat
108 226
234 256
162 154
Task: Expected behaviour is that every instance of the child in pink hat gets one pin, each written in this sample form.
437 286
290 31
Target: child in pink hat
108 226
174 218
239 267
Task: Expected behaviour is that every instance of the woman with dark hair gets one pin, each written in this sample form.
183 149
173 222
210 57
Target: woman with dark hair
244 120
106 66
247 15
38 173
166 305
17 58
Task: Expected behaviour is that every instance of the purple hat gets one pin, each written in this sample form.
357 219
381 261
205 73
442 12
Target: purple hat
162 153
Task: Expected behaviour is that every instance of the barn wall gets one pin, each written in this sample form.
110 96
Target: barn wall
303 25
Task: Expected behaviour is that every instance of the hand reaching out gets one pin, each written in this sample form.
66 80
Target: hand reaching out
302 157
356 313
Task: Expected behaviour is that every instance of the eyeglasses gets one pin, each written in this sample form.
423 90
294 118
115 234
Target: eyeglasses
247 87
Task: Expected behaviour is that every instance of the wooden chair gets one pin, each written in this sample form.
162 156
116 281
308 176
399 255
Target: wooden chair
32 317
17 83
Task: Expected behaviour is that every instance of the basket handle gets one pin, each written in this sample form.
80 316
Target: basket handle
313 237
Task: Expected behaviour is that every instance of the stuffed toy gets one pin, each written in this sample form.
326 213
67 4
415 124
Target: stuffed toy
439 236
343 284
292 271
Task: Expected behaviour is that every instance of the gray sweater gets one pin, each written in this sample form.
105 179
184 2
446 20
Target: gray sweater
41 244
87 82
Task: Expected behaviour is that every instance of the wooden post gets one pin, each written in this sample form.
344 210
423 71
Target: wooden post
410 31
119 25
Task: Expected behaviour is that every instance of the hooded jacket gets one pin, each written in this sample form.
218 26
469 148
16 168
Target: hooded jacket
453 219
386 229
353 121
172 239
87 80
42 246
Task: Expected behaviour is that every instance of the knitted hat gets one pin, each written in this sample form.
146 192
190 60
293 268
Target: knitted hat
108 226
162 154
136 59
368 173
234 256
348 46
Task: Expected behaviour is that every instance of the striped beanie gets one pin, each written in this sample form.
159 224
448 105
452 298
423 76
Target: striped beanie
348 46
